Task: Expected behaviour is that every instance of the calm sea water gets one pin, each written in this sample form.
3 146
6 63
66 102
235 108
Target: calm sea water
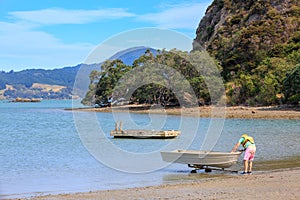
41 151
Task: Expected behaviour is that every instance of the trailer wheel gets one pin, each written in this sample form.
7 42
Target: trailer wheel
208 170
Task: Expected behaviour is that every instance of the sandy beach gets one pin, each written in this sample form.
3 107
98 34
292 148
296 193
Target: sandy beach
282 184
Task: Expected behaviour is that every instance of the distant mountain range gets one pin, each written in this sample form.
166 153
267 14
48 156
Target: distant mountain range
57 83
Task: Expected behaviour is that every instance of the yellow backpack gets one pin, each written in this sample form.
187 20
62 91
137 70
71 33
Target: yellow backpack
247 138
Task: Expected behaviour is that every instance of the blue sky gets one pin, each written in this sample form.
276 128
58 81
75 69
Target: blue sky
57 33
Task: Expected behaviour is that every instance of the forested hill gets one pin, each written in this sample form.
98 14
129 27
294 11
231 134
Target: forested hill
56 83
40 83
257 43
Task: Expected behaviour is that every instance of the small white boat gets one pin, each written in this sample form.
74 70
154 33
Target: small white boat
201 159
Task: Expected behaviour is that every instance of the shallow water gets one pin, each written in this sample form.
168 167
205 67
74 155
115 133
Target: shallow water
41 151
284 163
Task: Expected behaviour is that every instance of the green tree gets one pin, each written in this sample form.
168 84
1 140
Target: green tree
102 83
268 90
164 79
291 86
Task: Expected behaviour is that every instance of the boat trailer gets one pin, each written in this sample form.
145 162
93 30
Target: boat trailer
209 168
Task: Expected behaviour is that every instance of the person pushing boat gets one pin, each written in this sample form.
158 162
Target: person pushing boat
248 143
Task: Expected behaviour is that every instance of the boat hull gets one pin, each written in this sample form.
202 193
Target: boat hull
201 158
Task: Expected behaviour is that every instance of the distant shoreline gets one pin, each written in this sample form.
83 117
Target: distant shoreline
243 112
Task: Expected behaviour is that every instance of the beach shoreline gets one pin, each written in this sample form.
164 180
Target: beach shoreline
241 112
276 184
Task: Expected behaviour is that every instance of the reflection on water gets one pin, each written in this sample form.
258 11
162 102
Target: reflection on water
190 177
186 176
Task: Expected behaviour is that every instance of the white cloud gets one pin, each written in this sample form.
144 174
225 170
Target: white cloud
22 47
24 44
53 16
181 16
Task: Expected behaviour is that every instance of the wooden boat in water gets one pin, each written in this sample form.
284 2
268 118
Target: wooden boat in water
202 159
143 134
162 134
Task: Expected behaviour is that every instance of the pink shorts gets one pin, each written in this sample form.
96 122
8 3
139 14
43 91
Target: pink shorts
250 153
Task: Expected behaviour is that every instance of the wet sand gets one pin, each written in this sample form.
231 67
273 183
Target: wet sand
209 111
283 184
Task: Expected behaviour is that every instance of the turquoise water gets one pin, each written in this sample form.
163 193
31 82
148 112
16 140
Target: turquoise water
41 151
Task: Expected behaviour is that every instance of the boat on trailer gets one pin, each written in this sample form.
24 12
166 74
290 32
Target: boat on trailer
208 160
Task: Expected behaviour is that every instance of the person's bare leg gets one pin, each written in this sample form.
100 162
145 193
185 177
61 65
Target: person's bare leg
250 166
245 165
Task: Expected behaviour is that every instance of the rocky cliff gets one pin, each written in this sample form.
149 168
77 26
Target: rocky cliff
242 33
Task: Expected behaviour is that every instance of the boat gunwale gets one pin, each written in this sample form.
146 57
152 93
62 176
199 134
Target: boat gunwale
197 152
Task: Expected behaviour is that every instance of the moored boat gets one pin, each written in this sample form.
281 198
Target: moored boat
142 134
163 134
